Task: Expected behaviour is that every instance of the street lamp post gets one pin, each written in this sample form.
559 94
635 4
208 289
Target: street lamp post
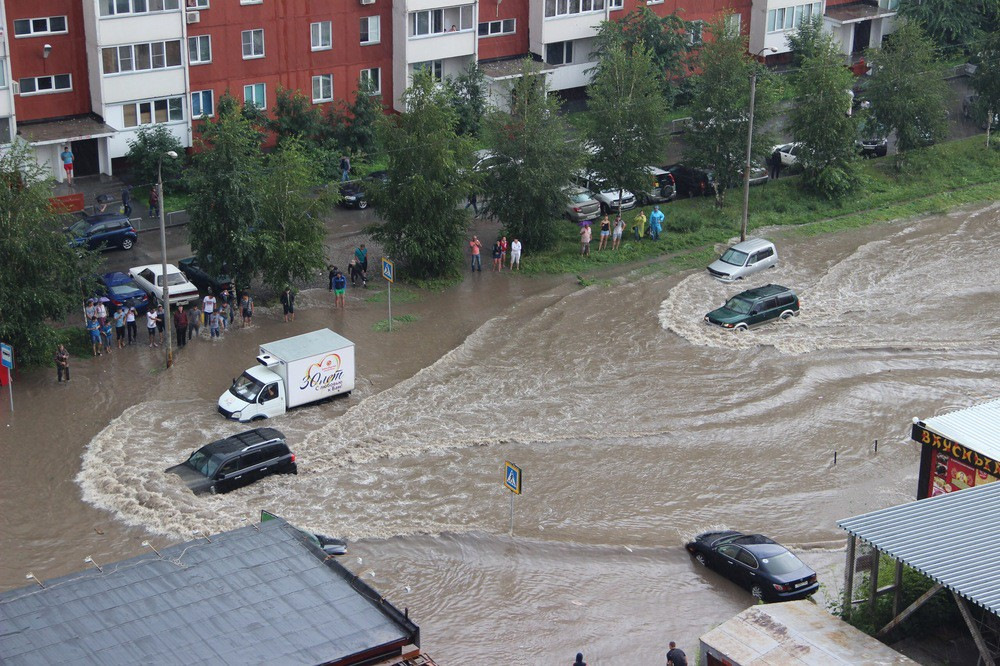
746 168
168 349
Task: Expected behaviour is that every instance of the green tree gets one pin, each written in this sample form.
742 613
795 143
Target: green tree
809 40
625 116
467 92
665 36
721 105
226 179
145 151
291 232
295 116
986 82
355 124
954 25
43 279
428 163
907 92
532 161
823 122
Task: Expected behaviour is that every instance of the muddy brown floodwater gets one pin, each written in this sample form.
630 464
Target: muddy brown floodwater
636 425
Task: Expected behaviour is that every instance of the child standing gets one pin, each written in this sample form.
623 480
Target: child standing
215 323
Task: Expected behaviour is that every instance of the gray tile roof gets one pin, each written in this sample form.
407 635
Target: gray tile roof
949 538
247 597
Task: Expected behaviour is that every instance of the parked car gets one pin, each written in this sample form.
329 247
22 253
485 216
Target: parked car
124 292
580 205
754 307
764 567
758 174
605 194
743 259
233 462
661 187
873 146
354 194
788 152
201 278
102 232
691 181
150 279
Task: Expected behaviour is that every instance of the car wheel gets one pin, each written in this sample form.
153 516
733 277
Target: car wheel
741 328
363 204
212 489
258 418
787 314
758 592
127 244
700 558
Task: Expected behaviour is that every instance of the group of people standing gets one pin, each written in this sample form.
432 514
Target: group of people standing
358 269
500 248
614 230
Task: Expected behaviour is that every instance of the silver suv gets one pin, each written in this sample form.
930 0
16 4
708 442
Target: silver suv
604 193
743 259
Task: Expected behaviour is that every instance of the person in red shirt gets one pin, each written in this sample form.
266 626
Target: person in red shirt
477 261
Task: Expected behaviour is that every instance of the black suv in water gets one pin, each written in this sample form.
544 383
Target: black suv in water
236 461
755 306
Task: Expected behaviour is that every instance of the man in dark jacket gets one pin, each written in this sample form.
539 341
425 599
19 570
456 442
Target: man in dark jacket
676 656
181 325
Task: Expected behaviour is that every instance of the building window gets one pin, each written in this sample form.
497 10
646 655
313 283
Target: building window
888 5
40 26
154 111
141 57
202 104
3 73
559 53
197 4
435 67
694 32
251 2
504 27
199 49
119 7
373 79
790 18
37 85
322 88
256 94
253 43
735 21
437 21
570 7
370 30
322 35
616 4
654 2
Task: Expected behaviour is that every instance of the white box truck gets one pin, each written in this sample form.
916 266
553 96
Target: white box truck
289 373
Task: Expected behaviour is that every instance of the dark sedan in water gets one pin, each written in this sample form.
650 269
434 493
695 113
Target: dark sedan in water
354 194
753 561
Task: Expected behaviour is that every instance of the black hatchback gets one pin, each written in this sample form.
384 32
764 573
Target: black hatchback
236 461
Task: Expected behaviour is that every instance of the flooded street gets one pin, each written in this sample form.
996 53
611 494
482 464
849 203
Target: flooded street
637 426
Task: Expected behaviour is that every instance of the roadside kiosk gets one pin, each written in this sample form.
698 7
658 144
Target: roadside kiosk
958 450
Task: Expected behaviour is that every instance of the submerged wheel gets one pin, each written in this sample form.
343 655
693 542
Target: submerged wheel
787 314
741 328
700 558
758 592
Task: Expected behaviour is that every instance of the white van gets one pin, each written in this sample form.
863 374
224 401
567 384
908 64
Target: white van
743 259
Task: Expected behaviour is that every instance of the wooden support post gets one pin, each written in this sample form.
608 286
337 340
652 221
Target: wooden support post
873 581
909 610
897 588
849 577
984 651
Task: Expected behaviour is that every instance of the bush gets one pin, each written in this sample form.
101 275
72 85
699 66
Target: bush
148 149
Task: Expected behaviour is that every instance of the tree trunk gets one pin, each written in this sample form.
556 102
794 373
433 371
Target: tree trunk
989 125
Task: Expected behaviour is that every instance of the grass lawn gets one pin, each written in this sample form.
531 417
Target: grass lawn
934 180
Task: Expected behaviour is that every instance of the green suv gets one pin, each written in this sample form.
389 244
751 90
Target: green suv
755 306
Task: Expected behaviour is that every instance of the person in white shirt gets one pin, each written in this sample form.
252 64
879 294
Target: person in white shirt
151 319
515 254
208 306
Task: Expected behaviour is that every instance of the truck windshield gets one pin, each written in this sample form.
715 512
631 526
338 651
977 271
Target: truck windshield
246 388
204 463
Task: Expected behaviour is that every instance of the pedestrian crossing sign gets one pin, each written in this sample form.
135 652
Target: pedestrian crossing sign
512 477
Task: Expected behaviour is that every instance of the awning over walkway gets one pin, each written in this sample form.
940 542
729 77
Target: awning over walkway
64 131
856 12
949 538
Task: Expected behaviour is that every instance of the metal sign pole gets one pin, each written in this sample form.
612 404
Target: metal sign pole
390 307
7 354
512 514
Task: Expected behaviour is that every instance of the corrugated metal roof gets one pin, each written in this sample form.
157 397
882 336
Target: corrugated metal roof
976 427
247 596
950 538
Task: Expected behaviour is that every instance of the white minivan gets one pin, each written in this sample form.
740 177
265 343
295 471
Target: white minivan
743 259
